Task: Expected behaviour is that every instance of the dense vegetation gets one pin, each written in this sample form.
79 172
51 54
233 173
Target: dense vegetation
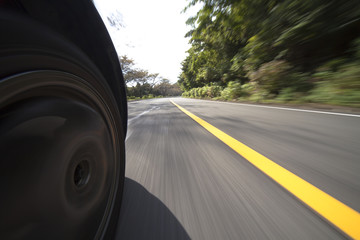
274 50
142 85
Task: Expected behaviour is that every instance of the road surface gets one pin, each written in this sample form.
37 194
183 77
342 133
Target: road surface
184 183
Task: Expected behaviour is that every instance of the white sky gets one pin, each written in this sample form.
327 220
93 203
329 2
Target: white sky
153 34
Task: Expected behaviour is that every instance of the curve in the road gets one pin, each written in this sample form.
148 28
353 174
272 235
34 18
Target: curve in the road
336 212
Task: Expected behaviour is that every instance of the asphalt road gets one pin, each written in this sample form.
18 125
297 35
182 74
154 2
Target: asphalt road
184 183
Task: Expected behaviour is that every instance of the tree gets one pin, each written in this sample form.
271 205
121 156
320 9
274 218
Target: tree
141 83
232 40
134 75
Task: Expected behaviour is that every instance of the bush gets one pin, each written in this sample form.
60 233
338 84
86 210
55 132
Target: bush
235 90
232 91
259 95
337 87
277 75
335 82
288 94
203 92
347 77
214 91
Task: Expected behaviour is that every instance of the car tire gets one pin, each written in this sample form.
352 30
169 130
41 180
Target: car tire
61 138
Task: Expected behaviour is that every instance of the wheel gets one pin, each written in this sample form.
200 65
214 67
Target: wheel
61 138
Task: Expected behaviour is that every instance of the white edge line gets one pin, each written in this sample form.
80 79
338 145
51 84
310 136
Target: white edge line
139 115
129 132
283 108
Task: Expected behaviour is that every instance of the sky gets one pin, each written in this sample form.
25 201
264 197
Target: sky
152 33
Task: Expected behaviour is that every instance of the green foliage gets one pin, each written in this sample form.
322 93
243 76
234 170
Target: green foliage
276 75
150 96
131 74
289 94
285 50
203 92
232 91
214 91
337 85
142 84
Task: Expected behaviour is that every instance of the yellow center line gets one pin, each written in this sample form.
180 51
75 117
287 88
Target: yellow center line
336 212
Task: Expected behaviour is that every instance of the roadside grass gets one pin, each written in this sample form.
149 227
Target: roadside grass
150 96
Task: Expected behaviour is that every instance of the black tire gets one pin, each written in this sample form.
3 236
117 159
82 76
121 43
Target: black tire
61 138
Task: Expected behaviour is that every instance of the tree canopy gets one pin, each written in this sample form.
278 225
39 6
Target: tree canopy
141 84
231 40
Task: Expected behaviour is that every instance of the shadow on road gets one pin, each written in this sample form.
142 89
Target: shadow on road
144 216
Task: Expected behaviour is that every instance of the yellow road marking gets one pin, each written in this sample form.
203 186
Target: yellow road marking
336 212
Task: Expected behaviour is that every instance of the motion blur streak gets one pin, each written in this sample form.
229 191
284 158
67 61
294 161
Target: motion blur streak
184 183
339 214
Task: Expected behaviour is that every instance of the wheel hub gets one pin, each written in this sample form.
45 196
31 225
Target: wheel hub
58 164
82 174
